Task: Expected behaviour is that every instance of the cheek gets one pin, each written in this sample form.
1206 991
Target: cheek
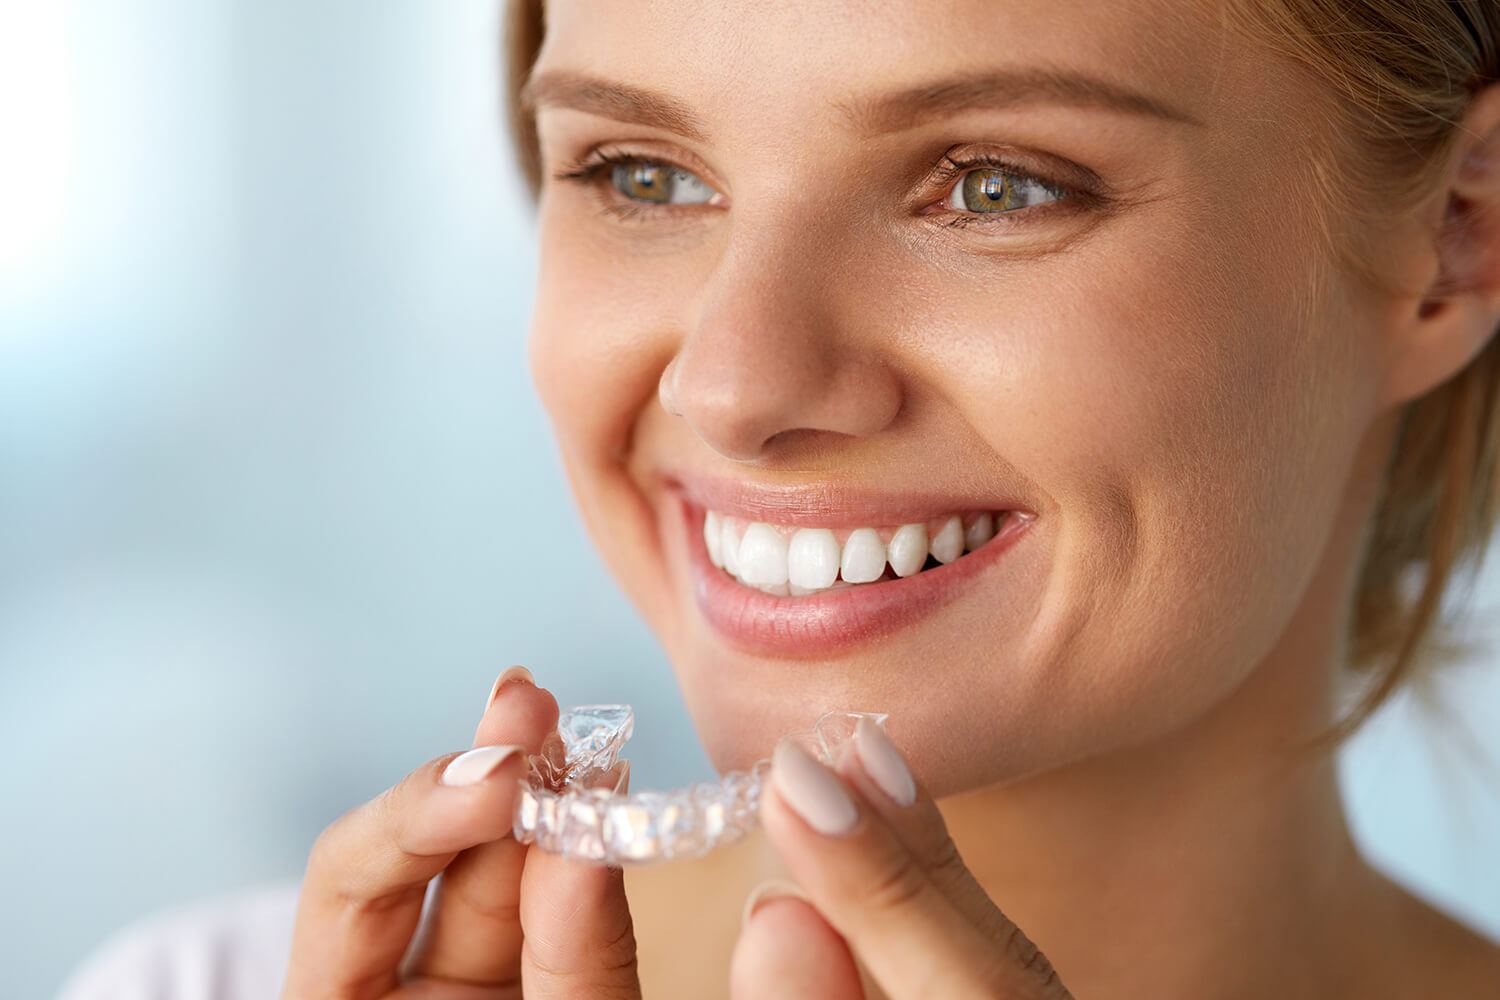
1191 421
595 353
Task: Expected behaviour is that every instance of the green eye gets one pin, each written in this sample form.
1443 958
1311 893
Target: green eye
658 183
991 191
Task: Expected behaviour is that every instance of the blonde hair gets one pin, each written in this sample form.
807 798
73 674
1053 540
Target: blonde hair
1404 72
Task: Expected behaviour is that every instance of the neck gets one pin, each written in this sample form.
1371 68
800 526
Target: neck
1202 865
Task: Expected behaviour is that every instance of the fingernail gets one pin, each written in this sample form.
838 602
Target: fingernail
511 674
768 891
812 790
883 763
473 766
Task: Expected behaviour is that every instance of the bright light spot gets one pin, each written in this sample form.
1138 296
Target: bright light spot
36 111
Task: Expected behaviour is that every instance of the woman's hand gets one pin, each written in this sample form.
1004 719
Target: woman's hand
504 920
883 881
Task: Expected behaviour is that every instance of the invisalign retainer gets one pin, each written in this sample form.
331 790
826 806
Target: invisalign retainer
571 803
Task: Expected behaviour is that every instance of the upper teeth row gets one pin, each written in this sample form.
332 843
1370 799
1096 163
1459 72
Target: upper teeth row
805 560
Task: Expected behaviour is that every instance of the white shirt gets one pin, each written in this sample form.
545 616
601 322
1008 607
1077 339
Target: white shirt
234 948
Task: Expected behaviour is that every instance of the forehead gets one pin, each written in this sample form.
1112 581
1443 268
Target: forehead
818 63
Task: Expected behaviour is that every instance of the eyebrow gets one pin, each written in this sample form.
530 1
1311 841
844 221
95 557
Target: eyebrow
894 112
567 89
1001 88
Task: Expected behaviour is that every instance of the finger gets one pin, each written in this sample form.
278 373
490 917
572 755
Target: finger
368 871
472 931
787 950
874 891
916 822
579 936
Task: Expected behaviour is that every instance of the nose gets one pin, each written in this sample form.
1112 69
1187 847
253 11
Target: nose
774 355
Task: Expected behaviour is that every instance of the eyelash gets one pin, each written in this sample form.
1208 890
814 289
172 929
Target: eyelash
590 167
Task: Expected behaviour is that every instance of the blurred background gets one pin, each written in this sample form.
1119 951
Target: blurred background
277 501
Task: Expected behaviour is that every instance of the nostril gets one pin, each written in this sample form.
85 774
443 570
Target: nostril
796 437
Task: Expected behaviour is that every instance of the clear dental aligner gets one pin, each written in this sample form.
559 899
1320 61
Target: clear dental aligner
571 803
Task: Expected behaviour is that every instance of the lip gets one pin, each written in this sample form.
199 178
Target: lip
833 621
830 505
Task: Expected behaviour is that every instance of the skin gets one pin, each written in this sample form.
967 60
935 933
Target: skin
1178 375
1141 374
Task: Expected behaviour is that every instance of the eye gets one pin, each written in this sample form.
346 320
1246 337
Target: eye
989 191
659 183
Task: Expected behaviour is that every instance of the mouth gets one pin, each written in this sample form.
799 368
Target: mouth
791 587
791 561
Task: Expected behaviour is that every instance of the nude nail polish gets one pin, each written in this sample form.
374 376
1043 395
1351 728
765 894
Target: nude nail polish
511 674
768 891
473 766
883 763
812 790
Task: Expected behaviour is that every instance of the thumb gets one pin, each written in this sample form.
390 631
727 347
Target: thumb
579 936
787 950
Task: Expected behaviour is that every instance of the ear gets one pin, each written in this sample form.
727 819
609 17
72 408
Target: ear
1441 329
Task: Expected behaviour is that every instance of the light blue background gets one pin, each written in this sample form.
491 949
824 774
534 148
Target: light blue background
276 499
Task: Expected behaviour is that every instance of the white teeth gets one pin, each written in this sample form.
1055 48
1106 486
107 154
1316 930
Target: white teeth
712 535
729 547
812 560
948 543
797 562
981 531
864 557
907 550
762 557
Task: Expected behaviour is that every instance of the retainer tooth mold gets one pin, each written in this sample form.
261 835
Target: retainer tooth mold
572 802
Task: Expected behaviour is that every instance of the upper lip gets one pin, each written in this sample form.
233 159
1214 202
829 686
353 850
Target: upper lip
829 504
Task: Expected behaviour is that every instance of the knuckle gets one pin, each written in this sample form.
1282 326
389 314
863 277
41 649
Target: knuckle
950 874
618 955
611 970
899 882
946 863
325 853
506 910
340 855
386 814
1023 954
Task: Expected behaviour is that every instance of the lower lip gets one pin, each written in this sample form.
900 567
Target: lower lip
832 621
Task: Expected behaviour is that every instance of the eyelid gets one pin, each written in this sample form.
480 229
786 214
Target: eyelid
1081 190
1063 175
587 167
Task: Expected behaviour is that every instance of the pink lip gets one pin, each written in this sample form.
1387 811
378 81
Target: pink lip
829 505
835 620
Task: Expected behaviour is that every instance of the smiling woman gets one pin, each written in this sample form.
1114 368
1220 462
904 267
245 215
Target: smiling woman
1224 375
1050 156
1092 389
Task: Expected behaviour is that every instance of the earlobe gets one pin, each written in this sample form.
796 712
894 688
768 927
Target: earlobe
1458 312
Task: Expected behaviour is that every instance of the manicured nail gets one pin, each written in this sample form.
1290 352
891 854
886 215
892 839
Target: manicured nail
512 674
474 766
883 763
767 891
812 790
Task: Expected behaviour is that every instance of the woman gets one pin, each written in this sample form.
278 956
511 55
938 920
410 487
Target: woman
1184 311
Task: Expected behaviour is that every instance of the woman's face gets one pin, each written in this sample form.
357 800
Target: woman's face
829 266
